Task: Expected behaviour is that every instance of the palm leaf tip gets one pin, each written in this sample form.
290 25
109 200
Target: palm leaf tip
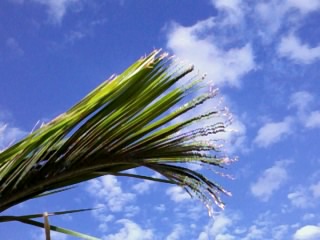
134 119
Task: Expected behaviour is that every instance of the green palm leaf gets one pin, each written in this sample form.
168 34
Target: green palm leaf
129 121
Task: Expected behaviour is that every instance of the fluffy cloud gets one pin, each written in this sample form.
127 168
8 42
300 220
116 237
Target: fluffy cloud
131 231
217 229
309 232
177 194
57 8
291 47
223 66
270 180
273 132
108 188
144 186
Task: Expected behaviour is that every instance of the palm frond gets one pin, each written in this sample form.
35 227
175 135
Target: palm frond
129 121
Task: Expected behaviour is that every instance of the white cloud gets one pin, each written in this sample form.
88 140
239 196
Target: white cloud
255 233
305 6
273 14
57 8
291 47
131 231
313 120
273 132
230 5
217 228
108 188
299 198
279 232
303 197
222 65
177 232
301 100
177 194
233 9
270 180
144 186
308 216
103 217
161 207
315 189
235 137
308 232
225 237
9 135
196 43
131 210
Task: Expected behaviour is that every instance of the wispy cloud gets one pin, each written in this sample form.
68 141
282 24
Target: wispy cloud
292 48
313 120
272 132
57 8
305 197
232 9
177 233
276 14
301 100
304 7
270 180
300 198
270 14
279 232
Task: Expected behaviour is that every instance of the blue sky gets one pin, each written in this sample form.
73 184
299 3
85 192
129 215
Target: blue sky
263 55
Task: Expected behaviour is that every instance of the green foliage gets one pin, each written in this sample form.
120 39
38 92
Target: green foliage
131 120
